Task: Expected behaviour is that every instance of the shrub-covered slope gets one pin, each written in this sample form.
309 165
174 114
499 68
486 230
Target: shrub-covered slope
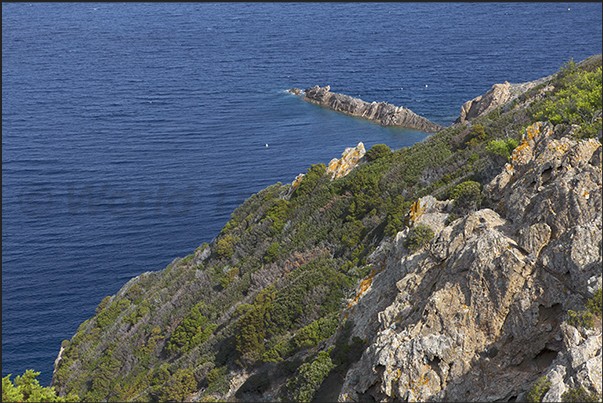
265 311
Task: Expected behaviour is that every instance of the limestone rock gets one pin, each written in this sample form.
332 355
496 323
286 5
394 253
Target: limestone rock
381 112
551 193
478 314
348 161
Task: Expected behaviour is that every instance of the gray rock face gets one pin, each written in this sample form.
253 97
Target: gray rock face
381 112
498 95
479 313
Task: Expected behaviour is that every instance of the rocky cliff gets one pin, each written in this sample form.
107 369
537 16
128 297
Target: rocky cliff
464 268
381 112
480 312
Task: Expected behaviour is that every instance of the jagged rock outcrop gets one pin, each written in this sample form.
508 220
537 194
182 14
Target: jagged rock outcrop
338 167
498 95
350 158
478 315
381 112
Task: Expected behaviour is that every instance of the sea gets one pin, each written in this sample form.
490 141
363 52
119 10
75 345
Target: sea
131 131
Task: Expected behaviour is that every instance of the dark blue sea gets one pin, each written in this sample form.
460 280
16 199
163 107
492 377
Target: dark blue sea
131 131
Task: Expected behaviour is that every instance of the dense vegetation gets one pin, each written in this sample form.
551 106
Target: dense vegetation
268 292
27 389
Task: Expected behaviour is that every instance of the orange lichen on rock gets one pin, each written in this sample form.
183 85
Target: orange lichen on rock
416 211
364 286
348 161
350 158
533 130
553 150
297 180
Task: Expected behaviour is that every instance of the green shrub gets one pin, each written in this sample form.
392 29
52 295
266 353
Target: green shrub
230 276
418 237
179 387
224 247
580 395
502 148
310 180
539 389
580 319
594 303
476 135
309 377
108 315
576 99
214 375
103 304
377 151
195 329
466 195
278 214
272 252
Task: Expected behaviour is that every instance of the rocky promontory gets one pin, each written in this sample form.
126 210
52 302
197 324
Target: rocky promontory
464 268
381 112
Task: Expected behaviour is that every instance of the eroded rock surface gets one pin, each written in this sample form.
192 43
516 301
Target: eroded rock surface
479 313
381 112
497 96
350 158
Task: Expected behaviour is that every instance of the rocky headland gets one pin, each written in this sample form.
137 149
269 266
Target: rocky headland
464 268
380 112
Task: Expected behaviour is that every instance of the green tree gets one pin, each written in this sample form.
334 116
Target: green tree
249 339
28 389
179 387
378 151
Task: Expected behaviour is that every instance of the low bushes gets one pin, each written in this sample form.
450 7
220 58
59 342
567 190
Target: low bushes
418 237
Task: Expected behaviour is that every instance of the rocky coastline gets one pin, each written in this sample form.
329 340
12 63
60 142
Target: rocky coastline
380 112
445 271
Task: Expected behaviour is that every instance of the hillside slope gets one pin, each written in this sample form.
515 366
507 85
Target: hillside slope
461 268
